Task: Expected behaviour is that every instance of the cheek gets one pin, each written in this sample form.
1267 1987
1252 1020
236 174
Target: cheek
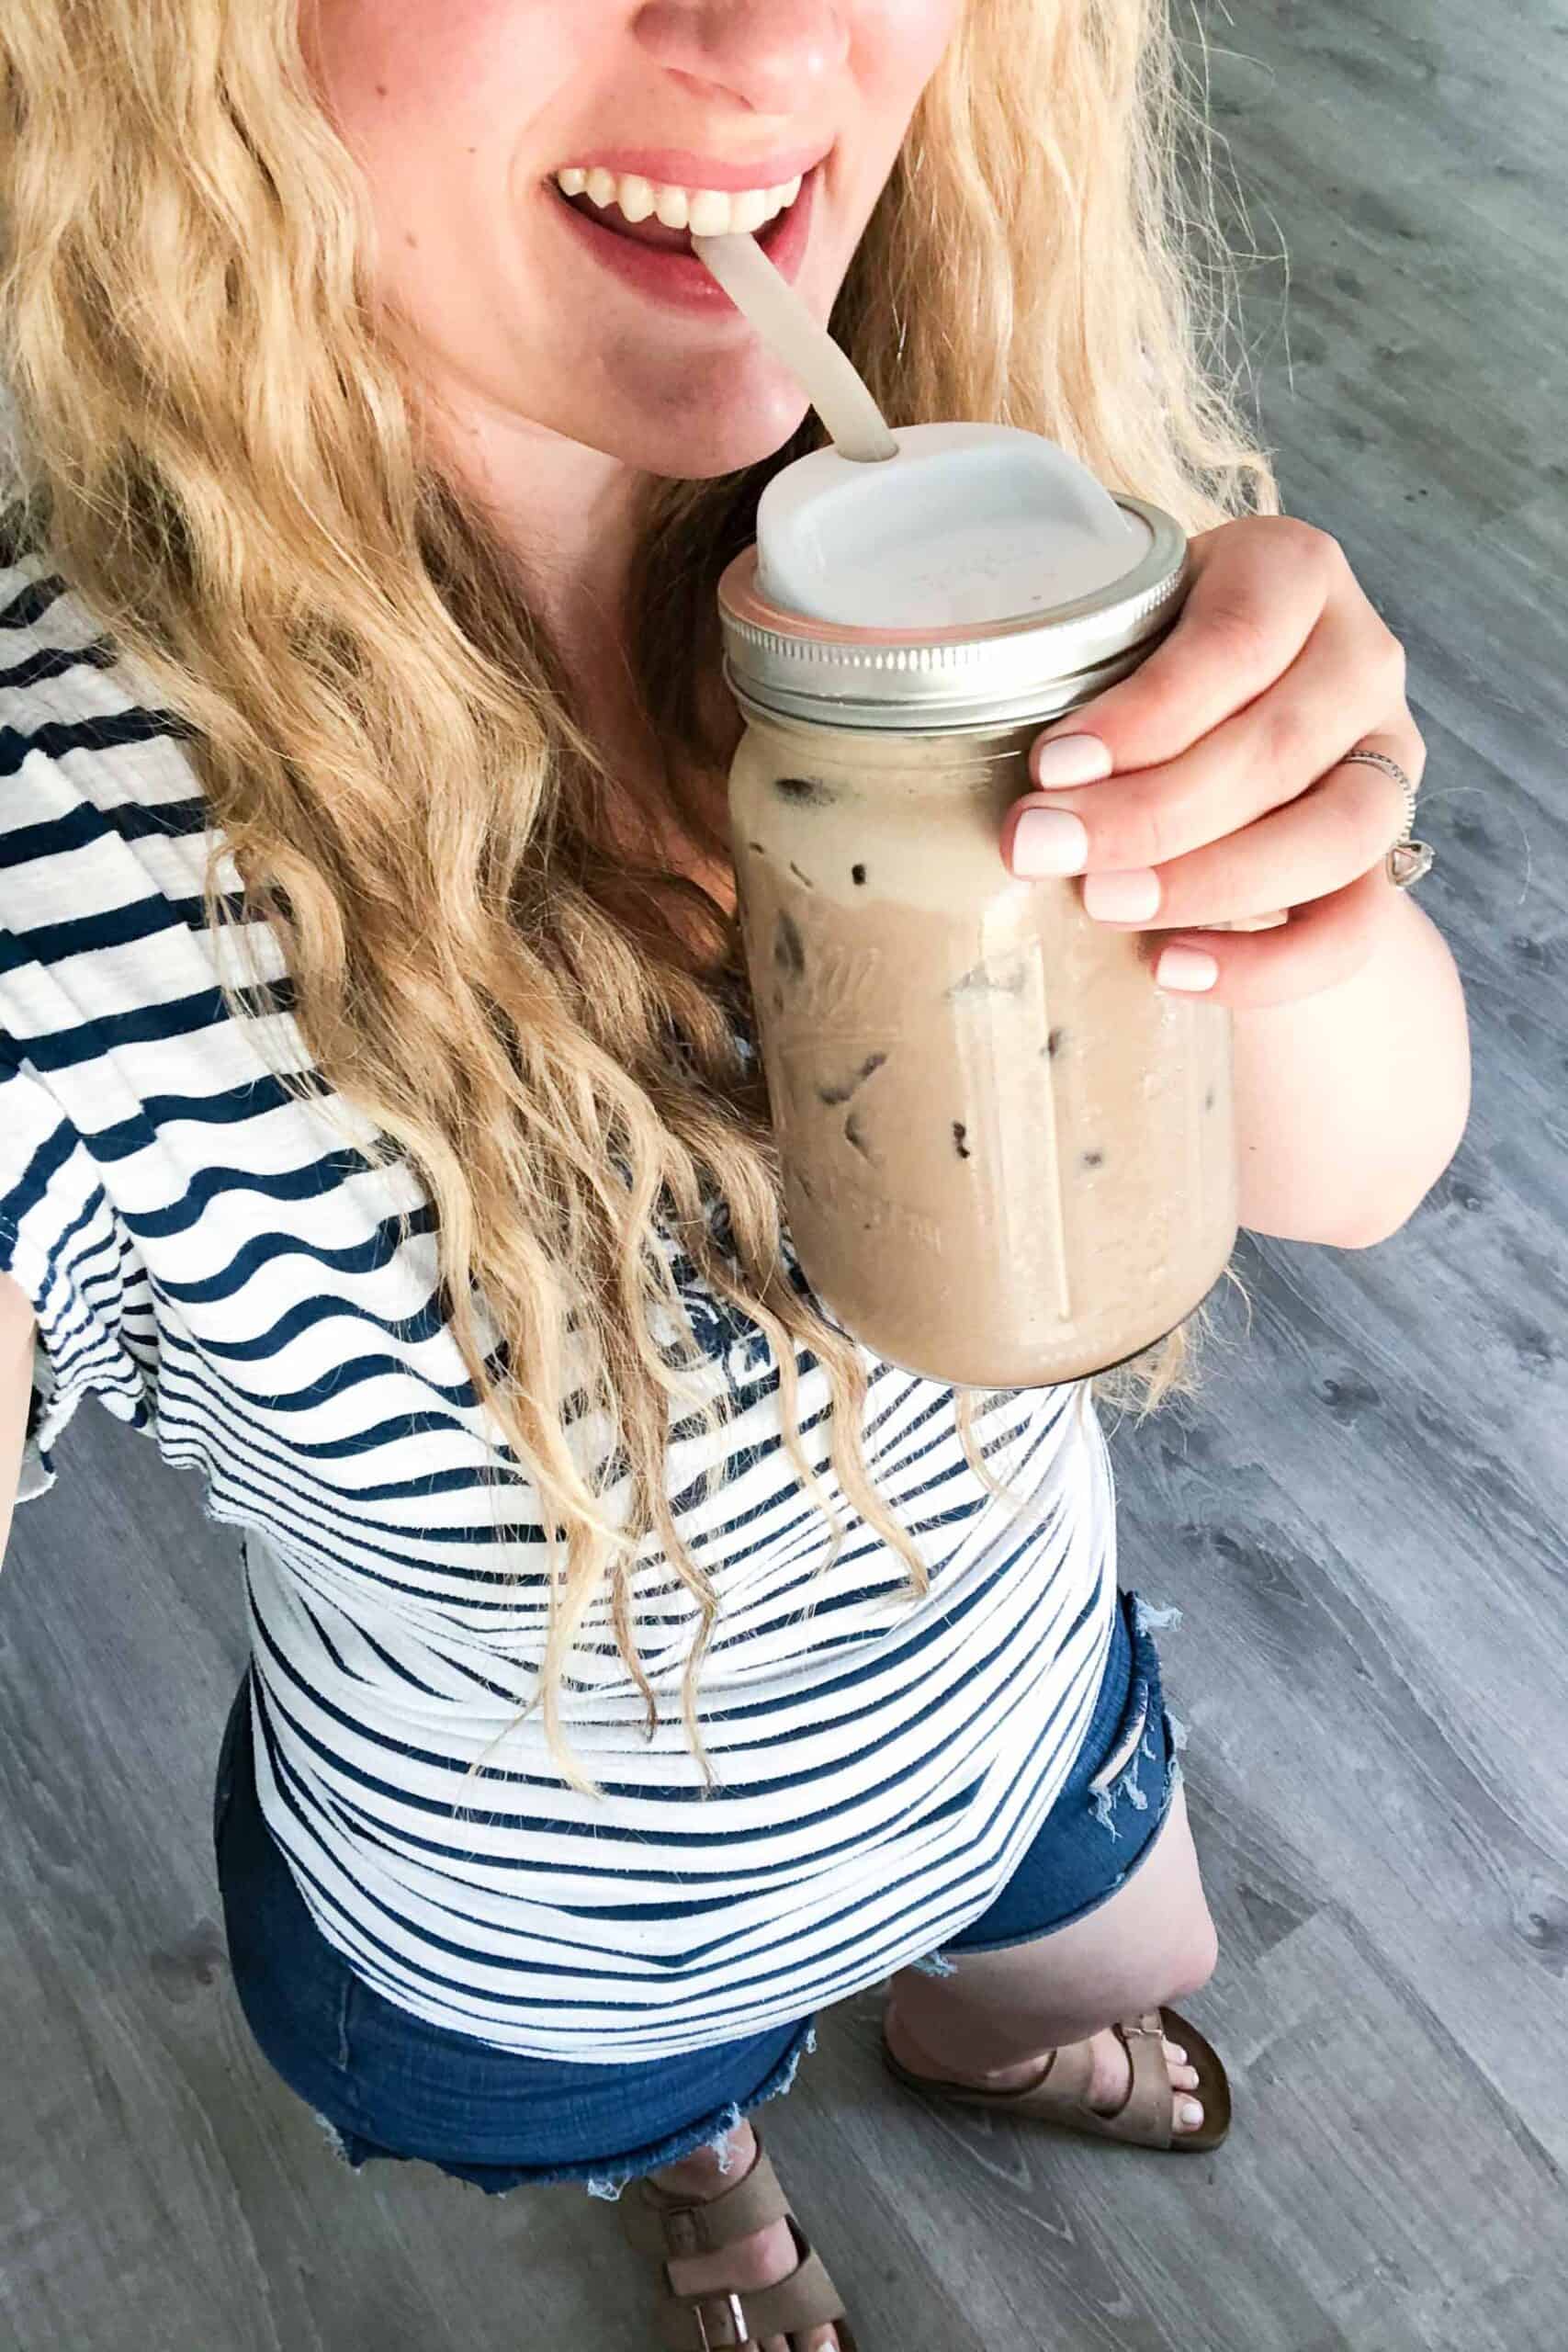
406 81
900 44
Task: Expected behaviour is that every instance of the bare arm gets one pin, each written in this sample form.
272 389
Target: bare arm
17 1321
1352 1103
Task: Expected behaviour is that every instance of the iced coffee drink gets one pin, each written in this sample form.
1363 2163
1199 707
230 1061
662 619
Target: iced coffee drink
1009 1158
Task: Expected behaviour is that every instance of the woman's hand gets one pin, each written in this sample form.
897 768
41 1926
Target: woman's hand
1223 799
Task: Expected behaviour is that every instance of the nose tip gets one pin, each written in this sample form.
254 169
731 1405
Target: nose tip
764 52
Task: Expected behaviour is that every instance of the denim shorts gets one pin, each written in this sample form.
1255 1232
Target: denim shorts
382 2082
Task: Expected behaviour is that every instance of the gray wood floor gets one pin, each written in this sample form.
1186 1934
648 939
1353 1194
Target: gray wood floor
1362 1521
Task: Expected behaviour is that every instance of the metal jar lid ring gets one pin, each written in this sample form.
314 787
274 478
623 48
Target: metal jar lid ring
976 674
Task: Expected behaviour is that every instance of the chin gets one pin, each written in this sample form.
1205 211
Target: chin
696 436
705 456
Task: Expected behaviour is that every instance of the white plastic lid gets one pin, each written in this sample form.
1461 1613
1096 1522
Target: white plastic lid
969 523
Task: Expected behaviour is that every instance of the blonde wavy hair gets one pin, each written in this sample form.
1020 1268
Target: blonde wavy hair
222 452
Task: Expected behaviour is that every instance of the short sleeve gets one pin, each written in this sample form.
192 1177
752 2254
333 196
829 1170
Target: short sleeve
62 1242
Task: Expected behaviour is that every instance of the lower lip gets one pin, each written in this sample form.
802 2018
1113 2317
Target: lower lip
678 279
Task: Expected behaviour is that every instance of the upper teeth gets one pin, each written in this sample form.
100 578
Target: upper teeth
706 211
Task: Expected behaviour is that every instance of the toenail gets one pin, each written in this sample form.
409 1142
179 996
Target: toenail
1190 2111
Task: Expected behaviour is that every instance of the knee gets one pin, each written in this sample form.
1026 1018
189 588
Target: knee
1195 1962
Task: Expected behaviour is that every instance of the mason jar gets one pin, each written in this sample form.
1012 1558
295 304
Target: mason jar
1009 1158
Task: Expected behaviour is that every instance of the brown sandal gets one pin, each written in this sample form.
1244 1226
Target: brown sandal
1059 2094
658 2223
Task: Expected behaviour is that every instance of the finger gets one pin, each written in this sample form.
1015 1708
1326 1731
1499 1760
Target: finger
1321 943
1345 683
1345 824
1259 587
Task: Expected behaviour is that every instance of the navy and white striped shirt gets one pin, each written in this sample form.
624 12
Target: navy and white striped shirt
221 1264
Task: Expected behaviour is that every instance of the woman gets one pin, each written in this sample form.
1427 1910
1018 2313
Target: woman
636 1665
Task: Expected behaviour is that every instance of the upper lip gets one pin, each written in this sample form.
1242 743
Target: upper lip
682 167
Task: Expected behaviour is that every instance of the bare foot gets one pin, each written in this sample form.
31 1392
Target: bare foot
1111 2081
761 2260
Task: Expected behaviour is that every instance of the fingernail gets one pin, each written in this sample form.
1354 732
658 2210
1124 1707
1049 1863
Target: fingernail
1131 897
1070 759
1049 840
1190 2111
1187 968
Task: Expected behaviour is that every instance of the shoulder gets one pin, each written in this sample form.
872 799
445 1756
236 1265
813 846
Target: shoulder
66 689
93 773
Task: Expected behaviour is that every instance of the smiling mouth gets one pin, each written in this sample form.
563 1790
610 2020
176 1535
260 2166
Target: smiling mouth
604 210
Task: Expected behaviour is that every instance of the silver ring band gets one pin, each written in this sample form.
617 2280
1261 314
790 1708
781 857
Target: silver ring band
1409 860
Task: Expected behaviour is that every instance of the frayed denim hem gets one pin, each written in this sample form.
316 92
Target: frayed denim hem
333 2138
609 2186
1120 1778
1104 1795
501 2180
936 1963
1154 1621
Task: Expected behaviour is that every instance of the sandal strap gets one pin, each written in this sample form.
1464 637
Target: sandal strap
1145 2115
1059 2094
1063 2081
720 2322
657 2222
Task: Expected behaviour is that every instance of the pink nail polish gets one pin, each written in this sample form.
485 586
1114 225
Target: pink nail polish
1186 969
1070 759
1131 897
1049 840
